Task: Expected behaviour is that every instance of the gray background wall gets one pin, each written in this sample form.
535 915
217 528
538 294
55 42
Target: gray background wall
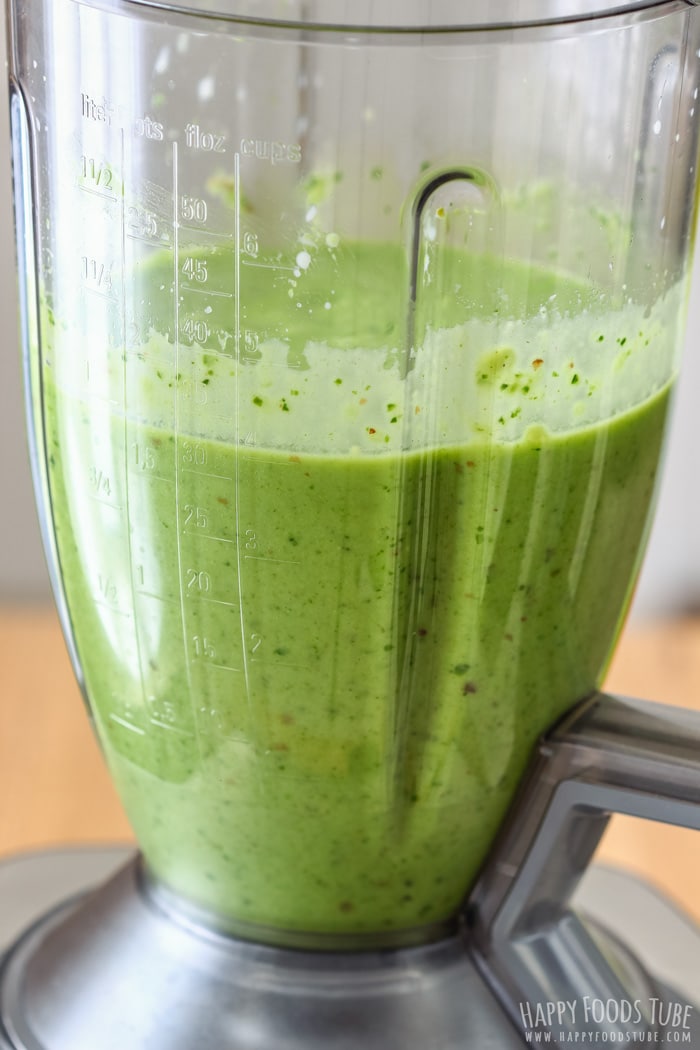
671 577
22 571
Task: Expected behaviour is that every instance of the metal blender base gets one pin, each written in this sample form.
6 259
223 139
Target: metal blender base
140 981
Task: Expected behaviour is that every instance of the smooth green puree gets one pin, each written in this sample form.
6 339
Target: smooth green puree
325 597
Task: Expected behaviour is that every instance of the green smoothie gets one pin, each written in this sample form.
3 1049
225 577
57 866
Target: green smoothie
325 594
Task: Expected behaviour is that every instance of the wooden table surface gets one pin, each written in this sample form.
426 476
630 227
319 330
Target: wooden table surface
54 789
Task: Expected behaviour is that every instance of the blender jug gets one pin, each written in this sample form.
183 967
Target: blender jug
350 336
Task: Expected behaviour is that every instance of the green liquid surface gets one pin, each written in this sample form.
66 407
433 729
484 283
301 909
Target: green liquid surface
325 599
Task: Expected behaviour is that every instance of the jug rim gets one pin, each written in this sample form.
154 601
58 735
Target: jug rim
411 17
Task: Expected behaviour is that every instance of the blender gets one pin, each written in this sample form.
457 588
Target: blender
350 334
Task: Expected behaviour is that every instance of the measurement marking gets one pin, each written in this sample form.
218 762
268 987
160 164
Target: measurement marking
237 431
79 392
225 667
147 240
268 266
171 728
125 388
279 561
279 663
204 536
128 725
102 295
138 473
206 352
158 597
176 318
112 608
207 474
98 193
106 503
208 291
212 601
268 462
199 230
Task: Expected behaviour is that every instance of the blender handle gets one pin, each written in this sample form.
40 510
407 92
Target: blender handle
609 755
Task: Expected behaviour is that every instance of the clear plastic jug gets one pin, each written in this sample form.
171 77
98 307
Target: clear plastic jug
350 334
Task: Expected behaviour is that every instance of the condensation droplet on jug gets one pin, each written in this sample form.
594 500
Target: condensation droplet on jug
206 88
182 43
162 60
303 260
311 213
662 223
657 127
332 240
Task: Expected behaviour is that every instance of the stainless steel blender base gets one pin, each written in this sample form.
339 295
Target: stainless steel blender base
141 981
